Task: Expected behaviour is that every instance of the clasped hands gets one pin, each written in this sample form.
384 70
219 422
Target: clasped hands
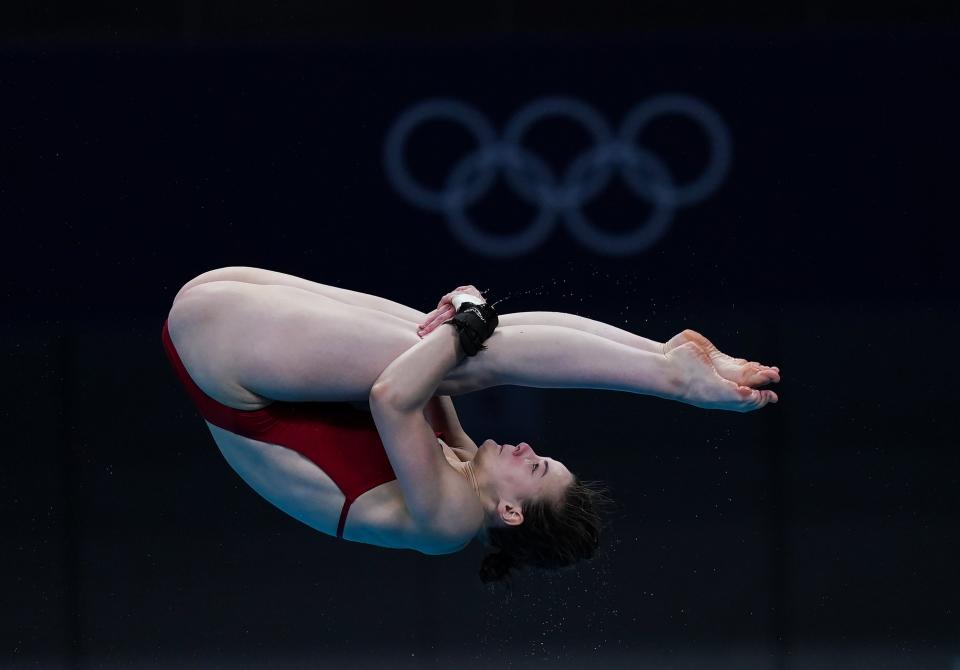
445 310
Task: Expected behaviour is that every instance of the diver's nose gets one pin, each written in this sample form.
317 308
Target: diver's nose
523 448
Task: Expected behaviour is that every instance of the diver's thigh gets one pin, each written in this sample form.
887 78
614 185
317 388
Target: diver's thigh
252 275
289 344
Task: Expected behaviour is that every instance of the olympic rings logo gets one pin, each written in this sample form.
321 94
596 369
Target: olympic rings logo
564 197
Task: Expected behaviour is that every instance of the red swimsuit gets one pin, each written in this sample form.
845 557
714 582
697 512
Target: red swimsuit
341 439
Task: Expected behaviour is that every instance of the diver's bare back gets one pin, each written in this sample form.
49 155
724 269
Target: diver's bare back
203 323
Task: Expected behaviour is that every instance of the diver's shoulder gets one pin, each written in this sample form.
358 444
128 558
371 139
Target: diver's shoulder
455 522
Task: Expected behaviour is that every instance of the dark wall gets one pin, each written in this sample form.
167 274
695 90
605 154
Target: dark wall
822 241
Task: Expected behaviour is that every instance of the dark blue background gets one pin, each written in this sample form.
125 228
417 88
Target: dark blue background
825 522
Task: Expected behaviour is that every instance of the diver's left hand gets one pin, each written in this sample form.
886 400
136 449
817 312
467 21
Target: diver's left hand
445 310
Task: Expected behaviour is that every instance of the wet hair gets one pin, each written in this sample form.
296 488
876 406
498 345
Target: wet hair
553 535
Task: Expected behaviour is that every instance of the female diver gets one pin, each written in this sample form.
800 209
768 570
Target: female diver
335 406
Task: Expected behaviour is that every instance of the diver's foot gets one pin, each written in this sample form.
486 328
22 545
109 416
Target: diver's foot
738 370
701 385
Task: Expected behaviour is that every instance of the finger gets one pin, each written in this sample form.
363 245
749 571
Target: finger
441 315
428 319
431 324
427 325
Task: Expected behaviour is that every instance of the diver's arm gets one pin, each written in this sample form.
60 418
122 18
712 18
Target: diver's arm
442 415
412 378
435 496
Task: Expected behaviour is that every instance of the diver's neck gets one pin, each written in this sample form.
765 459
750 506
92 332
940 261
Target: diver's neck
485 498
468 472
475 477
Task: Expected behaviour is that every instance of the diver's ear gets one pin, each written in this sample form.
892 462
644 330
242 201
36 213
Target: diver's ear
510 513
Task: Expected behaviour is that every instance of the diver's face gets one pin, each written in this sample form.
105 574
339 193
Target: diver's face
519 474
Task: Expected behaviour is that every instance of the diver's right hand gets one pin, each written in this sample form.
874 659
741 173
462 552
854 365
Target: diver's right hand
445 309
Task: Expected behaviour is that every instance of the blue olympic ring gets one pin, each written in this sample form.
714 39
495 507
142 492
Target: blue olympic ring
534 181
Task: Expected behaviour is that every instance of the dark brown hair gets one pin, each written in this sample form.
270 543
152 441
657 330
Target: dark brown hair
553 535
